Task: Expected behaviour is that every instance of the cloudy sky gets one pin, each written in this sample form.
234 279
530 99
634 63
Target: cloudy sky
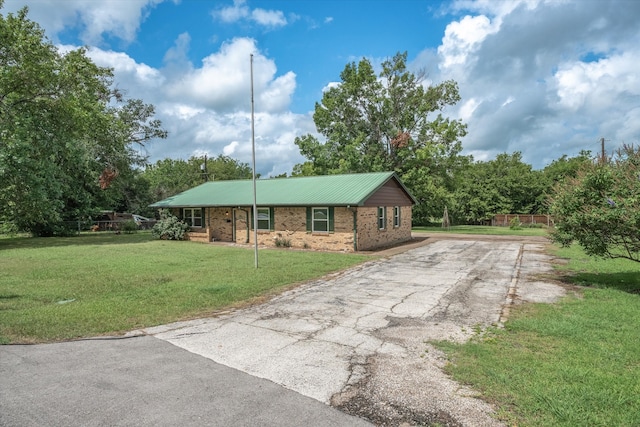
545 78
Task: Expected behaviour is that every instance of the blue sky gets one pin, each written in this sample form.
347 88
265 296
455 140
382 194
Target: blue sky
545 78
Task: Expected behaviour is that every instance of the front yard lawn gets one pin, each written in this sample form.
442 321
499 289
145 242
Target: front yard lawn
484 230
104 284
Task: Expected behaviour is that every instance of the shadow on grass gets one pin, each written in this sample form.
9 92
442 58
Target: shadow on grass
99 238
626 281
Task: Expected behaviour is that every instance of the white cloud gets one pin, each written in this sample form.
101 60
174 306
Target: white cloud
240 11
207 109
117 18
330 85
230 149
233 13
127 69
546 78
223 82
467 109
177 55
596 84
462 38
182 112
269 18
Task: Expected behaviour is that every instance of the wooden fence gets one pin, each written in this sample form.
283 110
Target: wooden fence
504 220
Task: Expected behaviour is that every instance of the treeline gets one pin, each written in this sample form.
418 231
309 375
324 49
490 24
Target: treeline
506 185
168 177
481 189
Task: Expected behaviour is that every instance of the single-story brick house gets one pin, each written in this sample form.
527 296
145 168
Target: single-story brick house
352 212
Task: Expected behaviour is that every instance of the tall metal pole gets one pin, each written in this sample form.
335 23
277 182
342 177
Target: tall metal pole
253 154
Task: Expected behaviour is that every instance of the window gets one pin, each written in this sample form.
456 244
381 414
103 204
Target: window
320 219
264 219
193 216
382 217
396 216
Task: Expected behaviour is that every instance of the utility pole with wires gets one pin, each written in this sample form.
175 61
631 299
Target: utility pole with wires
603 159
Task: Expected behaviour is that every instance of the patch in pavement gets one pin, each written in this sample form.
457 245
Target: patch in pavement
360 339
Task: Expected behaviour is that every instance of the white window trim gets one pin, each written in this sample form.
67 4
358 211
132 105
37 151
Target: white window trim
382 217
313 219
396 216
189 218
268 219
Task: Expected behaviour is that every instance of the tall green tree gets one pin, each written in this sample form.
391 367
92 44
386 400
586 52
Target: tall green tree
64 132
599 207
505 185
170 176
386 122
563 168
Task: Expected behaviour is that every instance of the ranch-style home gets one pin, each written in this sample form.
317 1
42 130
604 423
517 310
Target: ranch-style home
352 212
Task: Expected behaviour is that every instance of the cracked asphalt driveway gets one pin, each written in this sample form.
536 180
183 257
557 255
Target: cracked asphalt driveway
358 340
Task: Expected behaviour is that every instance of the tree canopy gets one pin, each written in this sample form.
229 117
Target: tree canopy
599 207
501 186
385 122
65 134
168 177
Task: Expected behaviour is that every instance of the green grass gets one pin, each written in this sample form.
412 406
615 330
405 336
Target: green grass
584 270
97 284
574 363
483 230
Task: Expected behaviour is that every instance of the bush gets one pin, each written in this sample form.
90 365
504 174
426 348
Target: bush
599 207
51 229
515 223
129 227
9 228
282 242
169 228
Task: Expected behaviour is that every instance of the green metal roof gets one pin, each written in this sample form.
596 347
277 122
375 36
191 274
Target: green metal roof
326 190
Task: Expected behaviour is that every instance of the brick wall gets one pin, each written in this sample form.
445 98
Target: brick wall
371 237
291 231
218 220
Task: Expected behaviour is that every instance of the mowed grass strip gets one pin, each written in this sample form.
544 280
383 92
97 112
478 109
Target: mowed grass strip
65 288
484 230
574 363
